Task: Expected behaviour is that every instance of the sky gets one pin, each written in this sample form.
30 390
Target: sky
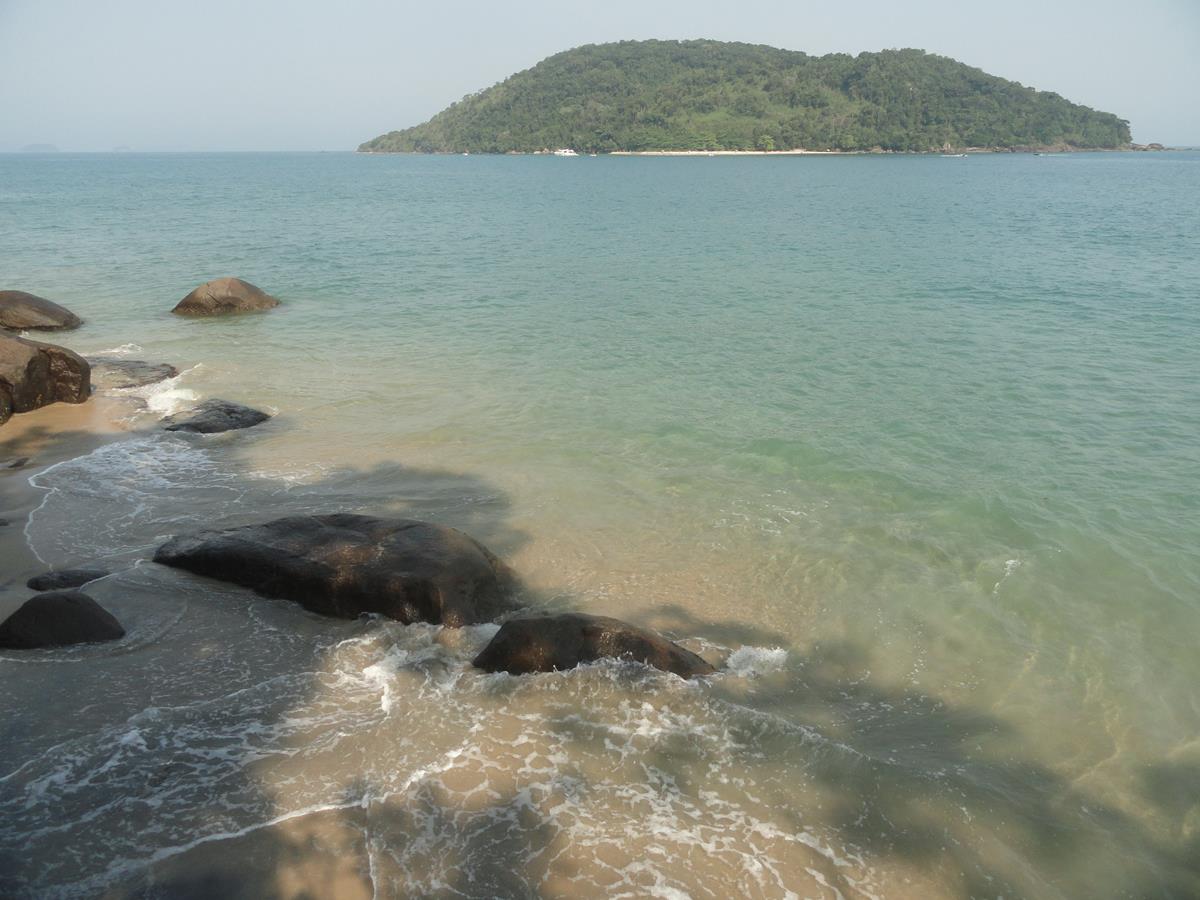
167 75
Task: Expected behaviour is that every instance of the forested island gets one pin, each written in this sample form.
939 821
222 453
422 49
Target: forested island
712 95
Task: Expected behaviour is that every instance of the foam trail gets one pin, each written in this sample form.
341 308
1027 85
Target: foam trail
1010 566
121 350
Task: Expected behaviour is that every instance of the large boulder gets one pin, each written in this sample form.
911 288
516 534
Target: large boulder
114 373
213 416
551 642
64 578
20 311
222 296
345 565
33 374
57 619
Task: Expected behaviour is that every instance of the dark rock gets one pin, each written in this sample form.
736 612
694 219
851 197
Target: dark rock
58 619
548 643
4 522
20 311
64 578
33 374
19 463
110 373
223 296
213 416
346 565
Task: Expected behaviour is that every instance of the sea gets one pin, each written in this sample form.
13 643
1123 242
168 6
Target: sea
908 445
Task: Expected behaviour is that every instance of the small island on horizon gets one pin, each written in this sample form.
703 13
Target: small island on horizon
701 95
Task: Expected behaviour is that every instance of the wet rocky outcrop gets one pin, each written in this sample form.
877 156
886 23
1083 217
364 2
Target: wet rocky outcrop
114 373
345 565
225 296
213 416
58 619
63 579
20 311
546 643
33 374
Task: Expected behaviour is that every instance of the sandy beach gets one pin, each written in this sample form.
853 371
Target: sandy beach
797 152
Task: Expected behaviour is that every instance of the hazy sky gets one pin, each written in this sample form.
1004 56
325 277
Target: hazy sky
329 74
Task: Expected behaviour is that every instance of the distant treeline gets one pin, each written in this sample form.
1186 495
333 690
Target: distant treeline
710 95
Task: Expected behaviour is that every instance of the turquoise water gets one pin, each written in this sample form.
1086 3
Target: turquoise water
929 426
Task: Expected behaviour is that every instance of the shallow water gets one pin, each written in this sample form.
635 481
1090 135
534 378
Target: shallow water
911 442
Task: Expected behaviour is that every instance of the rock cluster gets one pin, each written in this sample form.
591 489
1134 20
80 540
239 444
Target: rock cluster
338 565
34 374
346 565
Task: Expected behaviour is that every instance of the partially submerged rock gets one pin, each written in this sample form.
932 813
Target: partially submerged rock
213 416
33 374
58 619
549 642
64 578
113 373
345 565
20 311
223 296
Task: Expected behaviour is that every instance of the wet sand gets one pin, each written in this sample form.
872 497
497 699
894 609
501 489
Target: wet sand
31 443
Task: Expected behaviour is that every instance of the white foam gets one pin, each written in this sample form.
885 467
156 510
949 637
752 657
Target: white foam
166 397
381 673
122 350
169 401
751 661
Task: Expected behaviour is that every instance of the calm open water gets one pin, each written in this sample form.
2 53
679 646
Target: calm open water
913 442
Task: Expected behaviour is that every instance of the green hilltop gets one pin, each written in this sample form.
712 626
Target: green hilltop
712 95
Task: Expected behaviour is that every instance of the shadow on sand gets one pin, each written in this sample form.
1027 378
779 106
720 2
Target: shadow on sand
915 784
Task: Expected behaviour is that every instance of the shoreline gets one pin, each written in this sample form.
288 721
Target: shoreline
797 152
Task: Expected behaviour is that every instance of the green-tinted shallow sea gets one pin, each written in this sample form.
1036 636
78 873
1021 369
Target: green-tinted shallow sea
911 443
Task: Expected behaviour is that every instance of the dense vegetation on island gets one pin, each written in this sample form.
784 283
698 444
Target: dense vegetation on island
710 95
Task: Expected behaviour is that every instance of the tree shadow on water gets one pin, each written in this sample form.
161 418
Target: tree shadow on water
338 850
902 776
949 789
